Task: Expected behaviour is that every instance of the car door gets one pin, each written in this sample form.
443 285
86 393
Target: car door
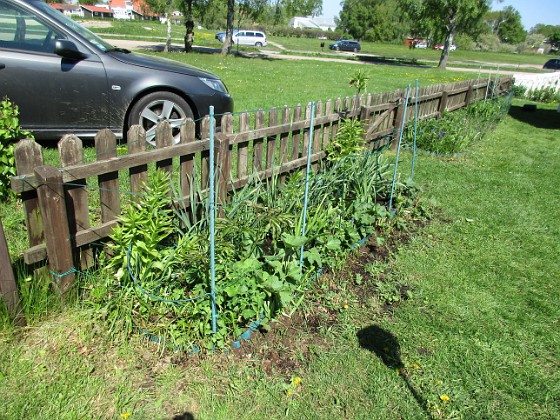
52 92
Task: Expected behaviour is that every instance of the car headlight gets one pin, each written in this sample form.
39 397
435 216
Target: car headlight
215 84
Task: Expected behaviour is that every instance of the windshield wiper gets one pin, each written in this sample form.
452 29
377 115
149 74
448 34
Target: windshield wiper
121 50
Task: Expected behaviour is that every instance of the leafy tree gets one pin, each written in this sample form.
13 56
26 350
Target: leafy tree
507 25
302 7
372 20
448 18
551 32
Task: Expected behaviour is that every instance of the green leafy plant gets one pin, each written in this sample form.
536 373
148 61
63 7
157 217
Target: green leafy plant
349 140
10 133
359 81
455 131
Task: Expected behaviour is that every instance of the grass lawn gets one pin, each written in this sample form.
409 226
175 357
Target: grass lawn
477 336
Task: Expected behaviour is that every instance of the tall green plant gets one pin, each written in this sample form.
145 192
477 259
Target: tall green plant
10 132
349 140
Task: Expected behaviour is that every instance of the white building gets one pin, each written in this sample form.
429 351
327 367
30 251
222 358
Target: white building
310 22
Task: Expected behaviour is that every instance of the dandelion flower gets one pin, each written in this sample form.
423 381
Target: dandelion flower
296 381
125 415
345 306
444 398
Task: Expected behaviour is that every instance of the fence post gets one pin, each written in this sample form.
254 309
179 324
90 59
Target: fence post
28 154
8 285
443 103
469 95
57 232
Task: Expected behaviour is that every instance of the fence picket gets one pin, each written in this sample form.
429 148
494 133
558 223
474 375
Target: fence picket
28 154
70 149
106 148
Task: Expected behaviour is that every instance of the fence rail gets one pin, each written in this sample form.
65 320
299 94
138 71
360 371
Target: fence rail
57 201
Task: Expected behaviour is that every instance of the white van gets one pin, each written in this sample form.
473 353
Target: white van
245 37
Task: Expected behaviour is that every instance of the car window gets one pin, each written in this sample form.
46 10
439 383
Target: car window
22 31
259 34
250 34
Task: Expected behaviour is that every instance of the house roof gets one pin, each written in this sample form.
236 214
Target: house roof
60 6
96 9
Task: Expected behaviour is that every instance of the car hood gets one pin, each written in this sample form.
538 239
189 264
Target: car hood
158 63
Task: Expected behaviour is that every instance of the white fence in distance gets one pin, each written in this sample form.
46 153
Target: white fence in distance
533 82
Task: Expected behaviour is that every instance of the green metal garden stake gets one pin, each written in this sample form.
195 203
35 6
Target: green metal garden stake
211 206
307 173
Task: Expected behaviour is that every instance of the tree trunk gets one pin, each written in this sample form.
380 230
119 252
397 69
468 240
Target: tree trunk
448 41
226 48
189 23
168 40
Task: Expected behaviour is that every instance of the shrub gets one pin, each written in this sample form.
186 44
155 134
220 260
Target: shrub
456 130
10 133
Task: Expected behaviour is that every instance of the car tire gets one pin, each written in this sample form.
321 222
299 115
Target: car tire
258 44
355 50
337 48
155 107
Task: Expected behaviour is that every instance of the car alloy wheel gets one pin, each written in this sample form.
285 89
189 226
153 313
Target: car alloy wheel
258 45
157 107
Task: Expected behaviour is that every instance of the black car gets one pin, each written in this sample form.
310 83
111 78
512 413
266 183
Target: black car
345 45
552 64
65 79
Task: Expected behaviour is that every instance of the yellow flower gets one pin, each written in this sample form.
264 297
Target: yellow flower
444 398
125 415
296 381
416 366
345 306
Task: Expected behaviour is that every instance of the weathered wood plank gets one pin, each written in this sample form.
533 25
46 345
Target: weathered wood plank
258 143
28 154
205 154
242 146
57 232
186 162
223 160
136 141
164 138
8 285
70 150
106 148
271 140
296 136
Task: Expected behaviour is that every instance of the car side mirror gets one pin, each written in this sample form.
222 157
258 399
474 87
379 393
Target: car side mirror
68 49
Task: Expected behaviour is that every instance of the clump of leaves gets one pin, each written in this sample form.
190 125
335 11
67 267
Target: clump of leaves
349 140
10 133
455 131
359 81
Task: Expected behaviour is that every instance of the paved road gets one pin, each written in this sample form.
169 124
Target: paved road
158 46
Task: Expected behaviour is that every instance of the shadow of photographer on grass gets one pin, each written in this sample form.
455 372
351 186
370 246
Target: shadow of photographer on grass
386 346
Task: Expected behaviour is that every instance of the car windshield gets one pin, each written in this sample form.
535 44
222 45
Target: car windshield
69 23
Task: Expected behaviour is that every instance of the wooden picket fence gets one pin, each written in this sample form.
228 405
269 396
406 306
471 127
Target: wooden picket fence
58 201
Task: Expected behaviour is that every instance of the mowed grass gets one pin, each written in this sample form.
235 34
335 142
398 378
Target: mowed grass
263 83
479 338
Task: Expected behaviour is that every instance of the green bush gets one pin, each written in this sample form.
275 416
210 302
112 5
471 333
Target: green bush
10 133
455 131
157 280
